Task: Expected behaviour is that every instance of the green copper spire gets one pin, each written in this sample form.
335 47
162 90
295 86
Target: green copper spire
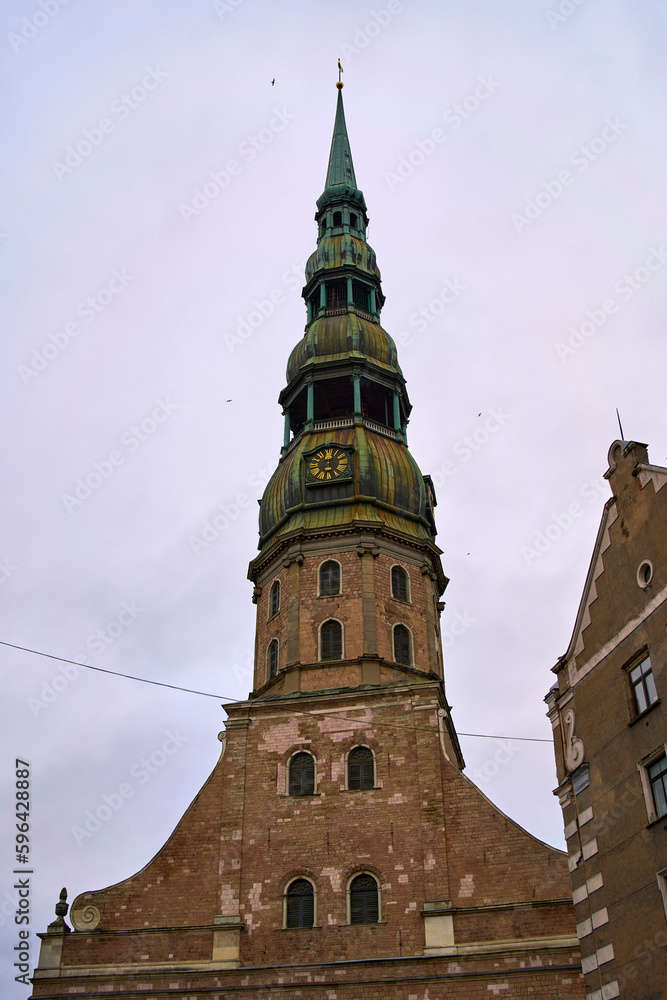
341 183
341 168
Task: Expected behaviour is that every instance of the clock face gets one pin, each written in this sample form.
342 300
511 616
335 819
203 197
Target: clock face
328 464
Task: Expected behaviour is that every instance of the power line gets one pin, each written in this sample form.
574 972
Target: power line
225 698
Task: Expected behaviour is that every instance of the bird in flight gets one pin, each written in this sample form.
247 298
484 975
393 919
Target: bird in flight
273 81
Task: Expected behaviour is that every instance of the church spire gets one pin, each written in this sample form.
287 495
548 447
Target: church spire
340 169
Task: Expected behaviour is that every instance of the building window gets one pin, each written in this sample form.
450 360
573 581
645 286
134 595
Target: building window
657 776
645 574
302 774
364 900
402 645
353 220
336 293
360 768
338 218
331 640
272 659
643 685
329 578
399 584
274 598
361 295
300 904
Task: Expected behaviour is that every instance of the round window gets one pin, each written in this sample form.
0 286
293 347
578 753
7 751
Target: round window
645 574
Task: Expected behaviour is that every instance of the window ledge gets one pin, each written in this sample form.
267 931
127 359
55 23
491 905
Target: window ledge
315 927
643 714
308 795
374 788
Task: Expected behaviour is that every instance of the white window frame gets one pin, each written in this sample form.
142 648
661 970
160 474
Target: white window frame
646 782
273 638
411 650
272 614
340 577
319 640
408 599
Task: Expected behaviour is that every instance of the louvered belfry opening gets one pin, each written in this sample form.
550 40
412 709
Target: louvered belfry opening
399 583
302 774
300 904
402 645
331 640
360 768
364 907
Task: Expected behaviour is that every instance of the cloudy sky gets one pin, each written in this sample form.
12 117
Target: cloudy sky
157 209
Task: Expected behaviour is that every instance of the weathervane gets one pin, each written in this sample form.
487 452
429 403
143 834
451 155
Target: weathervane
340 83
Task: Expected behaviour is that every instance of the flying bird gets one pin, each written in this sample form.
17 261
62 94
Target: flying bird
273 81
229 401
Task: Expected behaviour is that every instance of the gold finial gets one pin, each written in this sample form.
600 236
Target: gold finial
340 83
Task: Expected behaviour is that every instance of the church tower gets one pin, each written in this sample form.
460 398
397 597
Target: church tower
337 849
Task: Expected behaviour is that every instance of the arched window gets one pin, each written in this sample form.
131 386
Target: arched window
399 584
338 218
360 768
302 774
272 658
300 910
274 598
353 220
330 577
364 908
331 640
401 645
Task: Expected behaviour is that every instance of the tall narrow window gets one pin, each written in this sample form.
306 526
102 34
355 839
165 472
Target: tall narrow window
338 218
399 583
331 640
272 658
643 685
274 598
364 907
360 768
657 775
302 774
330 577
401 645
353 220
300 904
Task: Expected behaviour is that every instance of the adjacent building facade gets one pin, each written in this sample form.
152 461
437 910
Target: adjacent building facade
337 850
610 730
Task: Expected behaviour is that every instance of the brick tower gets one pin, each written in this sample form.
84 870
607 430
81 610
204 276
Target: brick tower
337 850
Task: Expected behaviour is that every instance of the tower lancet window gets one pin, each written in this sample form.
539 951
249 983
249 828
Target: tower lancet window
402 645
353 220
399 584
329 578
361 295
338 218
331 640
274 598
272 659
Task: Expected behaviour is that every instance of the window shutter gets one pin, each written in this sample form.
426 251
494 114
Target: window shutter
302 775
330 577
399 583
300 904
402 645
331 639
364 900
360 769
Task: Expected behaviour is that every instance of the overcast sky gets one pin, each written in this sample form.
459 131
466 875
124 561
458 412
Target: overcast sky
158 197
